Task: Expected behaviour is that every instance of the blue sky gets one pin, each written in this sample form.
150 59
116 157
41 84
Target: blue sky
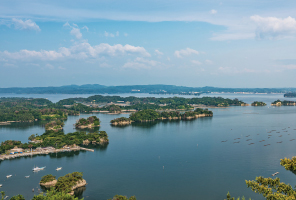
229 43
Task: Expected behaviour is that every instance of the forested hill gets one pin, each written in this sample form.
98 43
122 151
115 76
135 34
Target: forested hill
153 89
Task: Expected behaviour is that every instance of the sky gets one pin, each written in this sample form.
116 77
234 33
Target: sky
227 43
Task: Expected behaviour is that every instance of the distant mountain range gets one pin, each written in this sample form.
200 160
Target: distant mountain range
153 89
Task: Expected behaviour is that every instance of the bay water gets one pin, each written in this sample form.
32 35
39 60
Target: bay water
196 159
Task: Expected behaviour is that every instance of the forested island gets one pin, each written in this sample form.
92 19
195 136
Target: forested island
54 125
66 184
152 115
290 94
283 103
56 140
90 122
30 109
122 121
258 103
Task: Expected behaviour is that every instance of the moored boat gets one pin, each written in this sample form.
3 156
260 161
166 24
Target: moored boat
59 168
8 176
38 168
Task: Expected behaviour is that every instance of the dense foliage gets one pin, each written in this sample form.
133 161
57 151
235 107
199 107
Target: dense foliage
10 144
65 183
112 108
173 101
258 103
228 197
57 139
120 197
150 115
53 194
121 119
25 109
284 103
289 164
89 121
47 178
55 125
273 189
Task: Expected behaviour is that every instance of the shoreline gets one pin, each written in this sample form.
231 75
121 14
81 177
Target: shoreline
24 154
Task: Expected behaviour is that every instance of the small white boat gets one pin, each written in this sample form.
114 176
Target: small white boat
36 169
59 168
27 176
6 197
8 176
0 185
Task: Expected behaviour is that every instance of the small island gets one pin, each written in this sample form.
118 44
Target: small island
290 94
258 103
283 103
90 122
54 125
122 121
66 184
48 181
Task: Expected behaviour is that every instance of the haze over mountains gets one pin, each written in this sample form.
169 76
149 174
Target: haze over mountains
155 89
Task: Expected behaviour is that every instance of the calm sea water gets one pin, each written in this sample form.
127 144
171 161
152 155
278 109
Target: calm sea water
168 160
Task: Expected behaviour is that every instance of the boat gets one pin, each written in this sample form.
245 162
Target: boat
59 168
6 197
27 176
35 169
0 185
8 176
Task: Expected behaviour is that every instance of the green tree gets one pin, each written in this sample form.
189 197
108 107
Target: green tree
18 197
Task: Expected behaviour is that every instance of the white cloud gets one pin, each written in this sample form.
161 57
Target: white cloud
61 68
141 63
74 31
233 36
213 12
66 24
234 70
125 34
291 66
185 52
49 66
25 25
106 34
28 55
272 27
81 50
159 53
85 27
208 62
196 62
